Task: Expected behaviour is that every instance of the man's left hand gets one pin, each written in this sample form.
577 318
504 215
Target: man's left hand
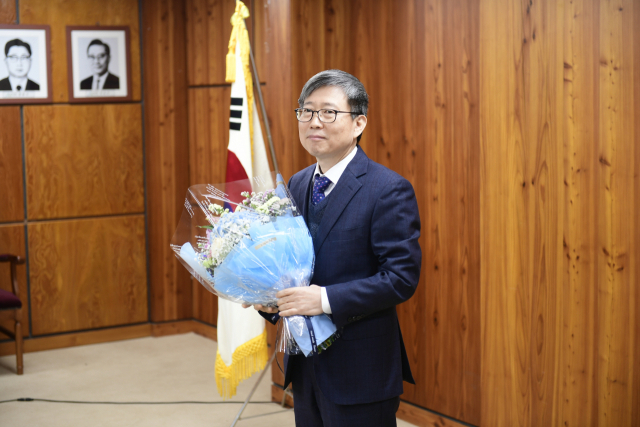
305 301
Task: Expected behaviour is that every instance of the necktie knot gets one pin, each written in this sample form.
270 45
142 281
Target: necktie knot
320 184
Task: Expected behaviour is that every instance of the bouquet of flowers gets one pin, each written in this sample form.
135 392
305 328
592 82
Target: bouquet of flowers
245 246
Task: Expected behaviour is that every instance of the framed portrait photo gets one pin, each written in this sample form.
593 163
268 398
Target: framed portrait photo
25 69
99 64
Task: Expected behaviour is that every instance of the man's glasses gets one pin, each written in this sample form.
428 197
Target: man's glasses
325 116
13 58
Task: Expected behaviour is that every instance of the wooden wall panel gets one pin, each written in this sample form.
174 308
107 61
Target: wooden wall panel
11 179
60 13
208 134
634 251
12 242
208 140
87 274
208 32
8 12
279 101
559 185
617 283
578 358
83 160
167 153
522 214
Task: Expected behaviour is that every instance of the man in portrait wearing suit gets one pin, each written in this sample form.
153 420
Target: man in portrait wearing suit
365 226
99 55
18 59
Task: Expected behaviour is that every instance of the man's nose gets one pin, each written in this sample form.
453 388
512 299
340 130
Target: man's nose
315 121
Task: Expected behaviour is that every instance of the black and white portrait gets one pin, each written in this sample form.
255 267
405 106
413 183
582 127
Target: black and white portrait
24 70
98 64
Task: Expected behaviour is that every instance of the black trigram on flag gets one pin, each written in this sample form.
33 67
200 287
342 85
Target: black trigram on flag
236 113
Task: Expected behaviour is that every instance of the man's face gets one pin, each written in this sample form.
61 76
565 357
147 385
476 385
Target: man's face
99 59
330 142
18 61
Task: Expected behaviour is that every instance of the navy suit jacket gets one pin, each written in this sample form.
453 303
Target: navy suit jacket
368 257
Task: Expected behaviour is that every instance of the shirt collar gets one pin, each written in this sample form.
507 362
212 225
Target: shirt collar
18 81
336 171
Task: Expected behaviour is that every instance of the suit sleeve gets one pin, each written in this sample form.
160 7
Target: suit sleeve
395 230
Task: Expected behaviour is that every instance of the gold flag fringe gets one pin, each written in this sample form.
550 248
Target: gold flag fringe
247 359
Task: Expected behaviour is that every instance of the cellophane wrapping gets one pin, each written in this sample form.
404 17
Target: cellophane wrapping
244 241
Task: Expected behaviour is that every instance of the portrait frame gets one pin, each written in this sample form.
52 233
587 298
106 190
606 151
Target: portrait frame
38 89
114 82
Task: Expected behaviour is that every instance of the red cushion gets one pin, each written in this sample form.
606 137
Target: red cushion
9 300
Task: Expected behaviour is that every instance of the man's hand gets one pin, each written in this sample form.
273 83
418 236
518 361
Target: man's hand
260 307
305 300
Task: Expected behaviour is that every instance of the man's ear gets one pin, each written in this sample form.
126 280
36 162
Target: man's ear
361 123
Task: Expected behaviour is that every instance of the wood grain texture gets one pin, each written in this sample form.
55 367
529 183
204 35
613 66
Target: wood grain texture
421 417
60 13
12 242
208 32
424 124
617 286
279 103
87 274
8 12
83 160
559 185
167 153
634 263
578 358
11 179
208 140
79 338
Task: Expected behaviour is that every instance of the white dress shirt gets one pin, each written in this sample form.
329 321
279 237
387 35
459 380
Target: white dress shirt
98 81
334 175
18 81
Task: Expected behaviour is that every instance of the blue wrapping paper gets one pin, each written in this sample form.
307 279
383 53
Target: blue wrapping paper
276 254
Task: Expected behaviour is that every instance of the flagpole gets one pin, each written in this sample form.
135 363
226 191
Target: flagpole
264 111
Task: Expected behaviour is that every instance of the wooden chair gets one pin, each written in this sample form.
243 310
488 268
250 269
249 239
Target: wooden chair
11 301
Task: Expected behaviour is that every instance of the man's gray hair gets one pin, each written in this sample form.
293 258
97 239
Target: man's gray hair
350 85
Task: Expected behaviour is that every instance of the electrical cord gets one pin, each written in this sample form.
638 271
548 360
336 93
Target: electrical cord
30 399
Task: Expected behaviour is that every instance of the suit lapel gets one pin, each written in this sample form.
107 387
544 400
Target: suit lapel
300 192
339 199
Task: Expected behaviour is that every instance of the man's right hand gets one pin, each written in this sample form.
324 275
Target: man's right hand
260 307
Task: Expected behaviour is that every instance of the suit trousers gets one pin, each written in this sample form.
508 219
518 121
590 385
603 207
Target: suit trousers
313 409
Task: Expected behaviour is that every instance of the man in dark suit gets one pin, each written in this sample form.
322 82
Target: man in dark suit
365 226
99 54
18 60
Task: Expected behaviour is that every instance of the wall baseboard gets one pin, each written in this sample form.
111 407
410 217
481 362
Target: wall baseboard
74 339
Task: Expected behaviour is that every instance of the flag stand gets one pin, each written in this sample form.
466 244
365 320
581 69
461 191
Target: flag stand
256 83
255 386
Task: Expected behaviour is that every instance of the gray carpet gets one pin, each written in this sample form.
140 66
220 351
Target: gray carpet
166 369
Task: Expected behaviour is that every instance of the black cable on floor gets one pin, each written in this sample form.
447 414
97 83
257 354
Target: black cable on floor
30 399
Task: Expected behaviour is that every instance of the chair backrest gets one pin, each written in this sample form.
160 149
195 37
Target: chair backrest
13 260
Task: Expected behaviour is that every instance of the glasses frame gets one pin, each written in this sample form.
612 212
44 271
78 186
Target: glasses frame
317 112
15 59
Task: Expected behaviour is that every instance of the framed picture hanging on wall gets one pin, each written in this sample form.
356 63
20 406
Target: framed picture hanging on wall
25 71
99 64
